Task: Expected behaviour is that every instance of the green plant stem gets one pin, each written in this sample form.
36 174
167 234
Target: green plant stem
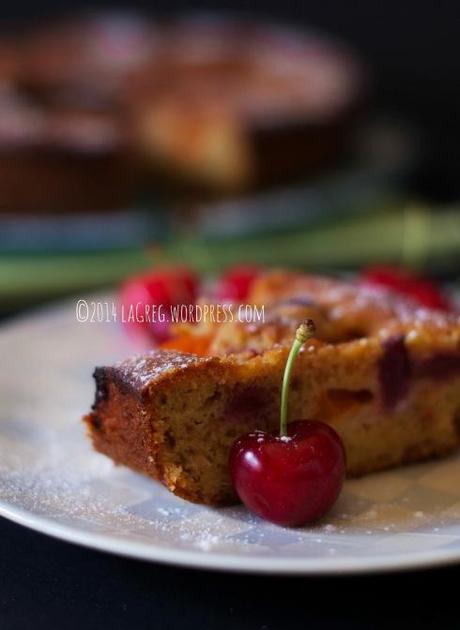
304 332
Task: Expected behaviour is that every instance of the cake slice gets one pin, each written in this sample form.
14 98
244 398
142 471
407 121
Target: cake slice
383 372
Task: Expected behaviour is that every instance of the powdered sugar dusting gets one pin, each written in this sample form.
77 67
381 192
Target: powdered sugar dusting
142 370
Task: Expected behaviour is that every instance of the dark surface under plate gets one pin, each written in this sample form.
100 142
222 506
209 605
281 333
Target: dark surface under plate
46 583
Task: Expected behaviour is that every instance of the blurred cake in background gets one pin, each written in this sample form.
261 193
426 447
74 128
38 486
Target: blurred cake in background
252 128
96 108
64 145
84 61
61 159
231 105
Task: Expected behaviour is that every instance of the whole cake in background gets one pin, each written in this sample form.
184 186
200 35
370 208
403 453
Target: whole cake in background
94 109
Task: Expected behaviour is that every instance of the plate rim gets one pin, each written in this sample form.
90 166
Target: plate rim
226 562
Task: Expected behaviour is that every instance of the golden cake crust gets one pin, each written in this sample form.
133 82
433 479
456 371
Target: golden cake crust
384 373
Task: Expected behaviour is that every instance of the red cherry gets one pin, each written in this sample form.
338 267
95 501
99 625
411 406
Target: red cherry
290 480
235 284
295 477
183 284
421 290
136 296
160 289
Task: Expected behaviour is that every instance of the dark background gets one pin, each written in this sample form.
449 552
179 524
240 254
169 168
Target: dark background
413 51
53 585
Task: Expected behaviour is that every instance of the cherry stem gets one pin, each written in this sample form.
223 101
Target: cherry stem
304 332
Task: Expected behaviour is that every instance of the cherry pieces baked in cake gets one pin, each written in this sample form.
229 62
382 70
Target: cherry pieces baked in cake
382 371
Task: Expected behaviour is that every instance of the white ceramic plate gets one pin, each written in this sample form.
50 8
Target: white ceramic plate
52 481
